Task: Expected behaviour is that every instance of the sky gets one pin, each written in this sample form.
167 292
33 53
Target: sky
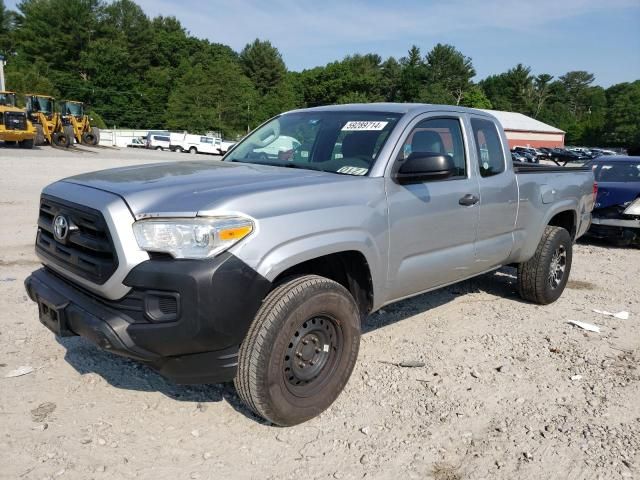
550 36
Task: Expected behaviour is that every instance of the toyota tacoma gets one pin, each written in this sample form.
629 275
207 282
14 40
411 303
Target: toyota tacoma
260 268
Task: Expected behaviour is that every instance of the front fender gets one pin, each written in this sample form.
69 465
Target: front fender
296 250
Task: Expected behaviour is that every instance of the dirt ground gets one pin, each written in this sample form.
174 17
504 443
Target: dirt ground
508 390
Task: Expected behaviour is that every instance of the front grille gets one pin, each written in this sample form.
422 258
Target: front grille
87 250
15 120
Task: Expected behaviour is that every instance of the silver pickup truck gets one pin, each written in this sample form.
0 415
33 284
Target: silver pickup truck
261 267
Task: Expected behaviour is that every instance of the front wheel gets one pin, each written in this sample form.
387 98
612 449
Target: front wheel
300 350
61 140
193 150
542 278
26 143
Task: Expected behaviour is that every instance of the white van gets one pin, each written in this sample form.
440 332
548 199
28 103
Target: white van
185 142
158 142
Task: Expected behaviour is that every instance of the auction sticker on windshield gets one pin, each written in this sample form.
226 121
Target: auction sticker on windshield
363 125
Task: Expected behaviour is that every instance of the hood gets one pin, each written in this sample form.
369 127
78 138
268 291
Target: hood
616 193
192 186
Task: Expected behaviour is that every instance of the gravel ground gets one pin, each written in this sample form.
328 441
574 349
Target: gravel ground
508 389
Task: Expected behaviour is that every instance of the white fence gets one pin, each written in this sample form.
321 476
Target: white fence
120 138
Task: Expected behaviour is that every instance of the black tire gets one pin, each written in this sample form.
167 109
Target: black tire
40 140
88 138
9 143
70 133
96 134
313 320
26 143
158 148
542 278
60 139
193 150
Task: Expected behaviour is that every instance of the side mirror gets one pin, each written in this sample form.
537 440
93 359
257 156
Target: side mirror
422 166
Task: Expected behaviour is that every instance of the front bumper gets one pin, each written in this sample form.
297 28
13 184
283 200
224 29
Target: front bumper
215 302
17 135
616 222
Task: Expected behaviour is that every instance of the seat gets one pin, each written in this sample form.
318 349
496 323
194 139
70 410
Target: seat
427 141
360 145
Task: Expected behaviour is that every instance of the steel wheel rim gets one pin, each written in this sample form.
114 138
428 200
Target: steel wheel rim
311 355
558 266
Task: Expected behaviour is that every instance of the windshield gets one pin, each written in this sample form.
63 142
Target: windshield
70 108
339 142
617 172
40 104
8 99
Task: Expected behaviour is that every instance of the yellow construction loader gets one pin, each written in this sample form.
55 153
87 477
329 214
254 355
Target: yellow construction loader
74 116
48 122
15 127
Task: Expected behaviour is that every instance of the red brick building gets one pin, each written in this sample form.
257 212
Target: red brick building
525 131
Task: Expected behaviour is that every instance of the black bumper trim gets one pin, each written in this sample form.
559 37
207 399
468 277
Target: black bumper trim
219 298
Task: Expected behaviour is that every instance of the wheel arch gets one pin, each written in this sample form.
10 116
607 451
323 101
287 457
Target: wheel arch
349 268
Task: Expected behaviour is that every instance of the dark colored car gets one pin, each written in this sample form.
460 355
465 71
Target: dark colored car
616 215
529 157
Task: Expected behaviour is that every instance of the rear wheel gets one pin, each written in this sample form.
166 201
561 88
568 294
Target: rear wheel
158 148
10 143
542 278
300 350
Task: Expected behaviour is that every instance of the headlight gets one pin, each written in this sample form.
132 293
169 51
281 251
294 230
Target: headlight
634 208
199 237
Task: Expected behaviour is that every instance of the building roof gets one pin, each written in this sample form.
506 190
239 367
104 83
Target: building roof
522 123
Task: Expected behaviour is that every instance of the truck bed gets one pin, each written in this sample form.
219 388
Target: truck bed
521 167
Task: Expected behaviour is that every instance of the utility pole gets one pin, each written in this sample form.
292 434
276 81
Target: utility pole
248 117
2 64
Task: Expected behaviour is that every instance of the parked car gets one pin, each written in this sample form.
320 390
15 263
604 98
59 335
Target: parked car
159 142
616 216
546 152
261 270
184 142
137 142
564 156
516 157
152 133
529 157
225 146
530 153
599 152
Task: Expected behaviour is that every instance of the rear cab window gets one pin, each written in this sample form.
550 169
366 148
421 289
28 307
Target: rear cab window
488 147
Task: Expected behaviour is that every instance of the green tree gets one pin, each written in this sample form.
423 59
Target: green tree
623 115
448 75
412 76
263 64
215 97
7 30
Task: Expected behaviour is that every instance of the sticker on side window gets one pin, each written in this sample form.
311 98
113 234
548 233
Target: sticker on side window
353 170
354 126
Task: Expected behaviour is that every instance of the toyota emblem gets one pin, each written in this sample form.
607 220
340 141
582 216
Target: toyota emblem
60 227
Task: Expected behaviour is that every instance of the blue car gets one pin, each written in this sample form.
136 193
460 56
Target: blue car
616 215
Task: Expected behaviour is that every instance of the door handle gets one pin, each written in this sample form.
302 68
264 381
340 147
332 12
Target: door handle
468 200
